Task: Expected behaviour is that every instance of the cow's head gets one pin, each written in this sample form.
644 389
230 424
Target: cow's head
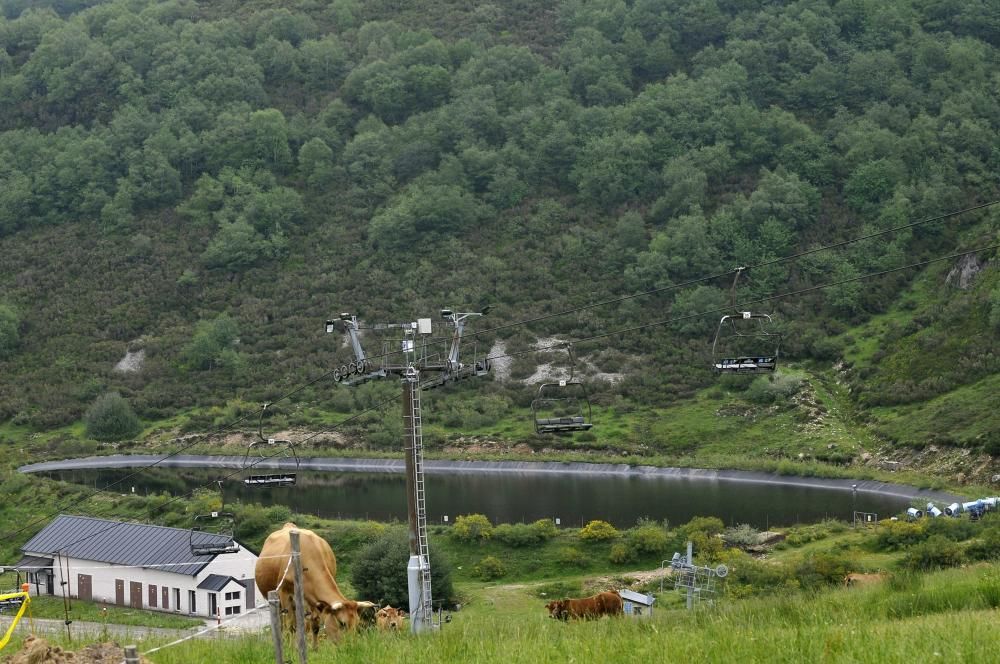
558 608
341 616
390 619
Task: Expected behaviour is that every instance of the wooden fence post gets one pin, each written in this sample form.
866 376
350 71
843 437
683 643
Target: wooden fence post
275 609
131 655
300 608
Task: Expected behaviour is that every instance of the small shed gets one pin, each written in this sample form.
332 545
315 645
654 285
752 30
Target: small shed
636 604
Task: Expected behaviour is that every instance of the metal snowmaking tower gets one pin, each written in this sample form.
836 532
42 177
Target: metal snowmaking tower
417 352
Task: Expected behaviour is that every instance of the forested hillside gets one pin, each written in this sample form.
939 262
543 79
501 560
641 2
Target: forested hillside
207 182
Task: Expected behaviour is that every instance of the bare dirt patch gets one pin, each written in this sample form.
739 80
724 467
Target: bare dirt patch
37 650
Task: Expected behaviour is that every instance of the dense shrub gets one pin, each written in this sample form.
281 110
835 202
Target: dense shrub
598 531
648 537
490 569
472 528
572 557
775 388
111 418
742 536
896 535
379 573
936 552
516 535
622 553
822 568
709 525
523 535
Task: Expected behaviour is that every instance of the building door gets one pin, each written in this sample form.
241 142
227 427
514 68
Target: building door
120 592
152 596
50 587
192 604
213 604
135 594
166 597
249 585
85 587
177 599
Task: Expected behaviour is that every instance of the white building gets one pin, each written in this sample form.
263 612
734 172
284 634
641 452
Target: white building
138 565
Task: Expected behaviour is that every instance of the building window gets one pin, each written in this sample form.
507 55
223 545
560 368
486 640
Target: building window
233 595
232 610
192 606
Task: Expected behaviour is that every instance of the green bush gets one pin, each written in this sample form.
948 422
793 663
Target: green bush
379 573
822 568
742 536
490 569
558 589
622 553
545 529
775 388
936 552
517 535
111 418
648 537
572 557
895 535
598 531
472 528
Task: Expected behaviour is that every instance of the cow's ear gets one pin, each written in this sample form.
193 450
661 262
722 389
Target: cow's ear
322 606
337 607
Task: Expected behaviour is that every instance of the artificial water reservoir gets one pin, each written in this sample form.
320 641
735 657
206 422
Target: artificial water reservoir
574 493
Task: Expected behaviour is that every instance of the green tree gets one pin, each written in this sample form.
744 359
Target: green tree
111 418
379 573
316 163
212 343
615 169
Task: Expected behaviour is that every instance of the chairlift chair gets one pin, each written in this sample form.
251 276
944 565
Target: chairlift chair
212 534
562 407
286 452
743 339
567 405
742 344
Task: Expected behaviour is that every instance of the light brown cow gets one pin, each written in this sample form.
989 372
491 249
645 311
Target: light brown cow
390 619
859 579
325 604
601 604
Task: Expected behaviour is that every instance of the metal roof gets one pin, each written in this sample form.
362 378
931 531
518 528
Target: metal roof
637 598
120 543
216 582
32 563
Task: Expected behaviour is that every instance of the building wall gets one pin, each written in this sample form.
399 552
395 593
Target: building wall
103 575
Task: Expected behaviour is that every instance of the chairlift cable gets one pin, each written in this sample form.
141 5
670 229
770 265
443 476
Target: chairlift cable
769 298
774 261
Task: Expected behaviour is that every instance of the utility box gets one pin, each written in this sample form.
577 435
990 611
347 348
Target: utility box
423 325
636 605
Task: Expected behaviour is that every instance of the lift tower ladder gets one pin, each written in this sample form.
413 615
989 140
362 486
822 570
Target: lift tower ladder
415 455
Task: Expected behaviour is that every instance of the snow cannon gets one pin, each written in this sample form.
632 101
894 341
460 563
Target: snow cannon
933 511
953 509
913 513
975 508
991 503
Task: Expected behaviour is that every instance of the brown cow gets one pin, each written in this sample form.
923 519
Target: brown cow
859 579
390 619
325 604
601 604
